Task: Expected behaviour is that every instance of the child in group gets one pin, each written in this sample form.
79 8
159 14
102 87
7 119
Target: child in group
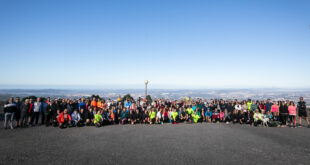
98 119
292 114
208 115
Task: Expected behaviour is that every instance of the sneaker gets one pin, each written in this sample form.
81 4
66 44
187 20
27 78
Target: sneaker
308 126
227 122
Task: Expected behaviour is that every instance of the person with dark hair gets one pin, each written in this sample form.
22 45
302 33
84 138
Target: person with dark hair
98 120
258 118
292 114
268 105
64 119
124 116
37 108
75 117
235 117
283 113
18 110
302 111
24 113
9 111
48 113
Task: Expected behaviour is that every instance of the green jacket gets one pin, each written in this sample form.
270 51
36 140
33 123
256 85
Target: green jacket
174 115
195 117
98 117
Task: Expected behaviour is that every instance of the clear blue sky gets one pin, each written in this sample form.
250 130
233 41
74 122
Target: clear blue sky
172 43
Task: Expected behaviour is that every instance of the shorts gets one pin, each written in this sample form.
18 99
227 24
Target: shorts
302 114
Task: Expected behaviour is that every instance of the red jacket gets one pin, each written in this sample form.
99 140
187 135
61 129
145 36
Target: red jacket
61 118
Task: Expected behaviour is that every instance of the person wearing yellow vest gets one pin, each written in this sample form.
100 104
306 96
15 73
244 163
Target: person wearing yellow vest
189 112
249 104
174 115
195 117
152 115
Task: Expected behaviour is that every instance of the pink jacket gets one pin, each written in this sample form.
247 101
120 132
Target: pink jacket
221 115
292 110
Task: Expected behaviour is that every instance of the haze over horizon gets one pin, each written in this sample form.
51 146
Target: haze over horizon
176 44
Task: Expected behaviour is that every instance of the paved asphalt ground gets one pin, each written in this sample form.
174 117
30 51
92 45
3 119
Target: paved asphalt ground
156 144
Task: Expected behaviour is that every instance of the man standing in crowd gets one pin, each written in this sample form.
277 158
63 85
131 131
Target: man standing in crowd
268 105
37 108
302 111
9 111
18 109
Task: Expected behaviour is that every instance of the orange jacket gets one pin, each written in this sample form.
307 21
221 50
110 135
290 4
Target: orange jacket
61 118
93 104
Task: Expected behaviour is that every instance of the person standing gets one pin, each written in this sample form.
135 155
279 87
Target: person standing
24 113
18 109
292 114
9 111
283 113
36 111
302 111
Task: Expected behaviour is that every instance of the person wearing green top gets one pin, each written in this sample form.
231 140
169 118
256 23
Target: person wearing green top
249 104
258 118
189 112
174 115
98 119
152 115
196 117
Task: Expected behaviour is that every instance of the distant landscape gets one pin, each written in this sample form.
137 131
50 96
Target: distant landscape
240 94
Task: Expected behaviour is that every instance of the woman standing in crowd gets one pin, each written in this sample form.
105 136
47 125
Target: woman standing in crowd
283 113
275 110
292 114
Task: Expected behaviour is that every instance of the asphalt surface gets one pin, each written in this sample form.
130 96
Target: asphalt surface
156 144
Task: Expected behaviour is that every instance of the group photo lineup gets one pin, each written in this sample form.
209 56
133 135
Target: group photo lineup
100 112
154 82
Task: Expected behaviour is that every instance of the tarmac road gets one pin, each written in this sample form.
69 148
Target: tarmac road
156 144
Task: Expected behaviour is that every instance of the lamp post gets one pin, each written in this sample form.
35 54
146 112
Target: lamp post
146 82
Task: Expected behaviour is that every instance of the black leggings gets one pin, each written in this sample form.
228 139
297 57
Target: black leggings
283 118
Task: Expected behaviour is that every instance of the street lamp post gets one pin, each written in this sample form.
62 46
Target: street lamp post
146 82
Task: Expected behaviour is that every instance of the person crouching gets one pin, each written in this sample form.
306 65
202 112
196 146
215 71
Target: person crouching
76 118
98 119
64 119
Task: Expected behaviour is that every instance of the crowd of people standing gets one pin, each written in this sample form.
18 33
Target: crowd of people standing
99 112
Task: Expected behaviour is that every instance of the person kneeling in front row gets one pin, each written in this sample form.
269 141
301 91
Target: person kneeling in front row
64 119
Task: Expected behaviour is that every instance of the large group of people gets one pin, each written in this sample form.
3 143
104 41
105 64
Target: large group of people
100 112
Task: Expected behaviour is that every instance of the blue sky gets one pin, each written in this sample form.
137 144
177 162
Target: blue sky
172 43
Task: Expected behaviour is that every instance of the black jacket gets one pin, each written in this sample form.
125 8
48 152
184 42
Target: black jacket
10 107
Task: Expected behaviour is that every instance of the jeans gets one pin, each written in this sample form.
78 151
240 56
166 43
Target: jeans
8 116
